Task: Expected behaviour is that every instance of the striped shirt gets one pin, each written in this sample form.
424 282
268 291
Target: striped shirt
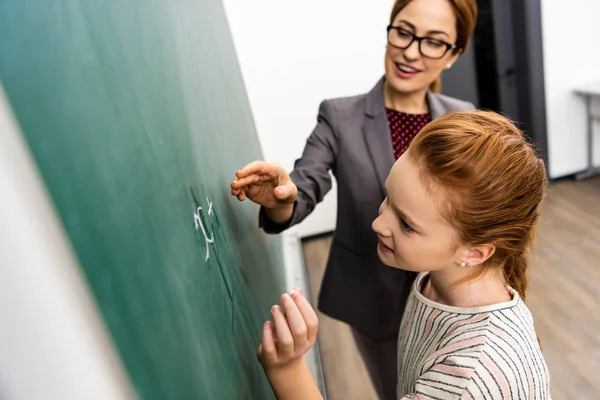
489 352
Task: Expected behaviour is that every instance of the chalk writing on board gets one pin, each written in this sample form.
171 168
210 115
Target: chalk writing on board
210 211
200 225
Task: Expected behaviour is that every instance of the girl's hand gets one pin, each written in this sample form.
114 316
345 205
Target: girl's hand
291 335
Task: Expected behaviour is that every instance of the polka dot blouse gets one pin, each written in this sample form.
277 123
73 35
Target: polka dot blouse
404 127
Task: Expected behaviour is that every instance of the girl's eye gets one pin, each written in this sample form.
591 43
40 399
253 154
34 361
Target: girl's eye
406 227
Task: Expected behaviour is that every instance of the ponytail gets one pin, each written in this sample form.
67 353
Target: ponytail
515 273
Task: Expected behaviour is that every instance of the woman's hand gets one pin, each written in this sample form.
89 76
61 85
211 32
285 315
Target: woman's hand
291 335
266 184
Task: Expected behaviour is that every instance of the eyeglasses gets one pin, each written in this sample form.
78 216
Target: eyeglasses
428 47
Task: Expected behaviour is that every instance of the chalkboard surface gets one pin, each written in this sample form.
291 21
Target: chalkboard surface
137 116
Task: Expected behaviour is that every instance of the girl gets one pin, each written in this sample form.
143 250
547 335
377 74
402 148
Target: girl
358 138
460 210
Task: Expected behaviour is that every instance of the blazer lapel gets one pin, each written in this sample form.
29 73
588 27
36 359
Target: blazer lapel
377 136
436 108
376 131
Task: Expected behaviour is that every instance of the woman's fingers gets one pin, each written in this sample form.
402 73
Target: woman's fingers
308 314
258 168
285 192
296 323
239 193
248 169
285 340
240 183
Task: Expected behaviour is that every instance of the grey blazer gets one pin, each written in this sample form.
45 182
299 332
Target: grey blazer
352 139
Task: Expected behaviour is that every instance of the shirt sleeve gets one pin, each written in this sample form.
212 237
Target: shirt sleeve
448 379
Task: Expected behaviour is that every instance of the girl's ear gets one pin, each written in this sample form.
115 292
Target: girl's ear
479 254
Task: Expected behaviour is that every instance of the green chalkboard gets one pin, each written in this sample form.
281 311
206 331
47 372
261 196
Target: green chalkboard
137 116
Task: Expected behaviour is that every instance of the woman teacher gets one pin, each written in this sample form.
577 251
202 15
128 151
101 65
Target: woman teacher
358 139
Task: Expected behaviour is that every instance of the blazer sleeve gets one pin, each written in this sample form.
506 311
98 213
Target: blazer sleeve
311 171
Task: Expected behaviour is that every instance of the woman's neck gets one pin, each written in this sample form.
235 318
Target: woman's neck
410 103
457 290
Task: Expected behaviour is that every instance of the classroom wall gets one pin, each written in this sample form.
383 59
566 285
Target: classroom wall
337 50
570 32
293 55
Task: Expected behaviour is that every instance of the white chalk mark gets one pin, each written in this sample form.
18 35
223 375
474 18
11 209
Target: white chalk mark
197 220
210 210
198 223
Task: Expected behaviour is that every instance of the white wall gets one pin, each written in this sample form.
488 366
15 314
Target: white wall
295 54
53 344
571 34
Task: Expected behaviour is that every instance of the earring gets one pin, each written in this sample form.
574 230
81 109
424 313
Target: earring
465 265
449 65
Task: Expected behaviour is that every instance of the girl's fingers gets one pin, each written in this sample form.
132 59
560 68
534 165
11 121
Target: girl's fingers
267 348
308 314
285 340
296 322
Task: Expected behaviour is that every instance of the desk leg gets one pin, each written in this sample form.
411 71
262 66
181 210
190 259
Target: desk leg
591 170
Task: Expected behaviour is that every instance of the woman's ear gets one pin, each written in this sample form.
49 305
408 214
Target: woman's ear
453 57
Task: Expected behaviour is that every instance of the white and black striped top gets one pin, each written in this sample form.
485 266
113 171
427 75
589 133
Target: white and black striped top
454 353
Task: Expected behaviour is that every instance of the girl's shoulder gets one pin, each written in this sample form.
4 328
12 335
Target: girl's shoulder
492 355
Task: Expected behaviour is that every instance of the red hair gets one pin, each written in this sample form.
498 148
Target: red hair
494 182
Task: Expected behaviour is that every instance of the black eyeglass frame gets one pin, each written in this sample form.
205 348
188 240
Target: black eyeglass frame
419 39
